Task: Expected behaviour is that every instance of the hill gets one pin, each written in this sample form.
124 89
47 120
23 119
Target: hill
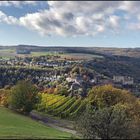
117 65
13 125
103 51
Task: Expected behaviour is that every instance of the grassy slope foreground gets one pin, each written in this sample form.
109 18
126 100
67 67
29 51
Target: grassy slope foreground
17 126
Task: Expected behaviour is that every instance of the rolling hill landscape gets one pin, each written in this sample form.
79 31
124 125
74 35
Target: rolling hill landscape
64 78
69 70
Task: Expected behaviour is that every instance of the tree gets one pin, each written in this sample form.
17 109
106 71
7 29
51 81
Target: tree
111 114
24 96
107 95
63 91
108 123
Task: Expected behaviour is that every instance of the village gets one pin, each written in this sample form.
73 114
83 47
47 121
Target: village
44 62
51 71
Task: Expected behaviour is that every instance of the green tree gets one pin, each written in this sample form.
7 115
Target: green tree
108 123
63 91
24 96
111 113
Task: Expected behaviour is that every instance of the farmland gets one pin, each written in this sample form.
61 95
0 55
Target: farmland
80 56
61 106
7 53
11 53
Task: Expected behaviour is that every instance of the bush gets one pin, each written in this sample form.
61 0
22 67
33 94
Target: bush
4 97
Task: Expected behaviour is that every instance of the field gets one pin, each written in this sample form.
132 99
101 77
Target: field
43 53
20 127
7 53
80 56
61 106
10 53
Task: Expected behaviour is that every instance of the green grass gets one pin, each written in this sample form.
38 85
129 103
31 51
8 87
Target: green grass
7 53
80 56
43 53
16 126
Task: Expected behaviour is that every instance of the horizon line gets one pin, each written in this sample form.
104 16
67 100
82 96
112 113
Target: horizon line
67 46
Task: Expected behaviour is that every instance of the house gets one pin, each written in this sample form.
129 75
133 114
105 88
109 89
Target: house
118 79
23 51
124 80
69 79
128 81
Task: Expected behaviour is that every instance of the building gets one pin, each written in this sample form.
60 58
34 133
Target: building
124 80
118 79
23 51
128 81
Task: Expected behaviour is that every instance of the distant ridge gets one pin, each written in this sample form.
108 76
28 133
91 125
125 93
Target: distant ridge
107 51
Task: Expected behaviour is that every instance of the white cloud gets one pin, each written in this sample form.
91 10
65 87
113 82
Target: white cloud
134 26
85 7
100 28
130 6
132 18
8 19
16 3
72 18
114 21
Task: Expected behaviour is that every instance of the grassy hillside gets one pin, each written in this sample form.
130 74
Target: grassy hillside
17 126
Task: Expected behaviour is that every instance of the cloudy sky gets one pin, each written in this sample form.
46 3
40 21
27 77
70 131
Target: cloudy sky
70 23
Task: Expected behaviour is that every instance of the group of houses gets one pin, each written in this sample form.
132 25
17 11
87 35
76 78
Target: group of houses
19 61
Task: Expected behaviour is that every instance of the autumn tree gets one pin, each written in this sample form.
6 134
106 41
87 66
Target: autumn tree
24 96
107 95
4 97
111 114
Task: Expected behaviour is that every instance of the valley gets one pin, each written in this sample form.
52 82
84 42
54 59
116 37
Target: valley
63 79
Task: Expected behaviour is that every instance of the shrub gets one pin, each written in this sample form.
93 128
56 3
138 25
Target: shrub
4 97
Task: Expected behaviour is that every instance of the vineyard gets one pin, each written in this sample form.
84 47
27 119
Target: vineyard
61 106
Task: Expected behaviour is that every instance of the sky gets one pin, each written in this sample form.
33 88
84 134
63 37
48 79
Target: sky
70 23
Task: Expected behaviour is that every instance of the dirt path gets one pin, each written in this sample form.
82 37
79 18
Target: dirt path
61 125
61 128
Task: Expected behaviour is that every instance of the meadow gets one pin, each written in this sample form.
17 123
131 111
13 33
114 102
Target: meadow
15 126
